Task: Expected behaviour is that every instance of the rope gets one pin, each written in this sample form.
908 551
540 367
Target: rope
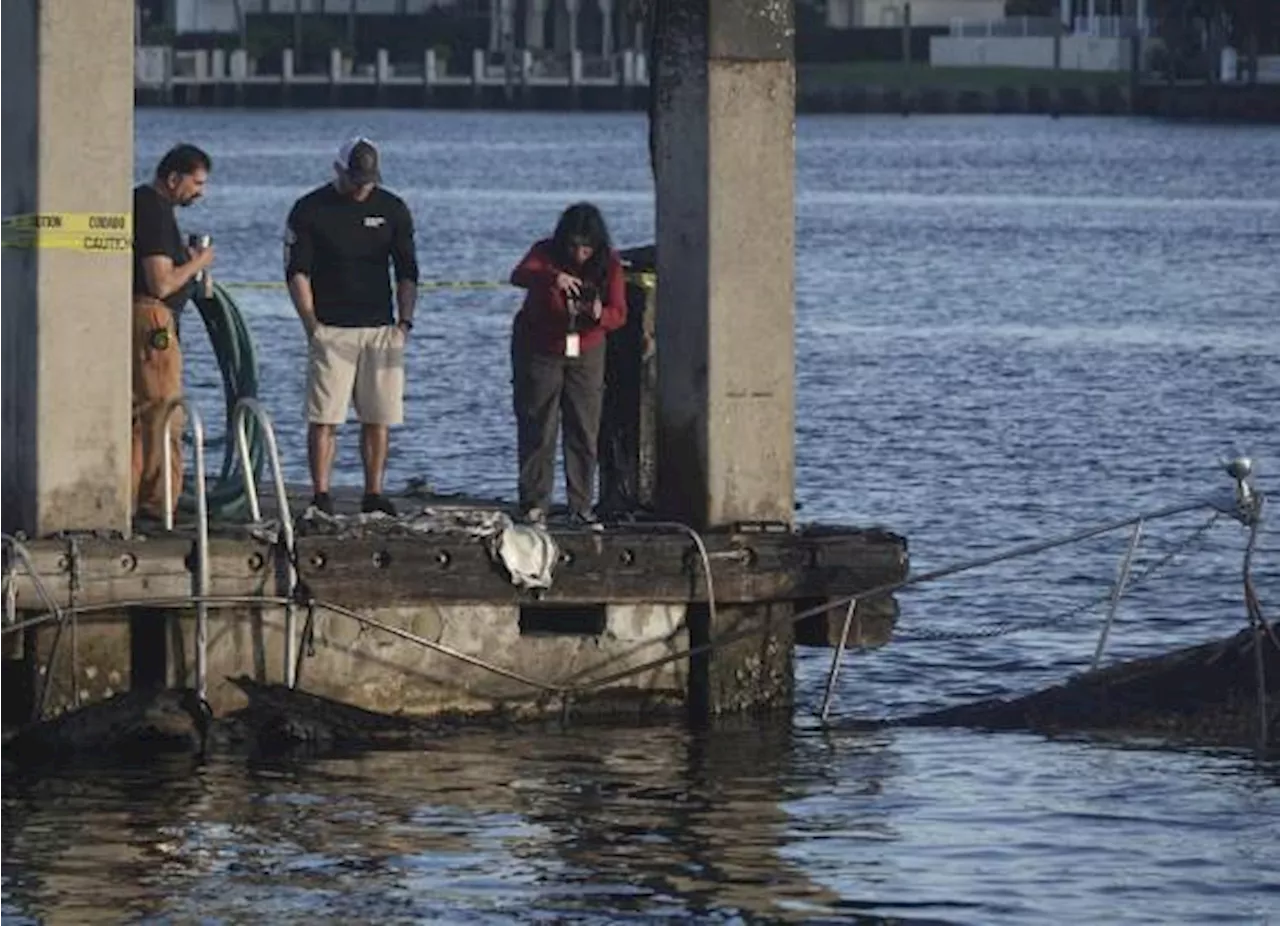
1006 628
439 648
422 284
891 587
20 550
567 692
55 612
185 603
702 552
231 601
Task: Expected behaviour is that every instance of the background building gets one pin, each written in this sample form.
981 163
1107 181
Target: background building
871 14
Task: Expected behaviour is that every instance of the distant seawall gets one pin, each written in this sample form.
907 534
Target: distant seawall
1260 103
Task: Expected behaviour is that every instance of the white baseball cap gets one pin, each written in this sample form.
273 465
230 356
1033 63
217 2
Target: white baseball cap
358 159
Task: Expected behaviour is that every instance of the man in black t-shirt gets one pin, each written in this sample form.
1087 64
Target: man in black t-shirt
339 241
164 270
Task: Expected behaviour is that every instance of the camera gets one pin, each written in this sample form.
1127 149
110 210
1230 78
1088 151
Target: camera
580 308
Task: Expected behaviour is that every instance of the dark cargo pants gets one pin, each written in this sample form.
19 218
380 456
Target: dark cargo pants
545 386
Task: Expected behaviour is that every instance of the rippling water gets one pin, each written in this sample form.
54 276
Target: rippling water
1008 328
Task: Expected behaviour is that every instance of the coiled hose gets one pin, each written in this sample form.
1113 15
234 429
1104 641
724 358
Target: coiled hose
238 364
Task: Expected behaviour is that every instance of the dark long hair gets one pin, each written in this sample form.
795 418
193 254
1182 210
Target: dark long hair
583 221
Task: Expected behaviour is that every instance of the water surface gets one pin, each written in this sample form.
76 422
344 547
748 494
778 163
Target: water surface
1008 328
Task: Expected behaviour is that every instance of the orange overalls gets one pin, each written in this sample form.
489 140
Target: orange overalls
157 380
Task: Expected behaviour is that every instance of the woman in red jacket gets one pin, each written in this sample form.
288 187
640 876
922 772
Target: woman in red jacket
575 296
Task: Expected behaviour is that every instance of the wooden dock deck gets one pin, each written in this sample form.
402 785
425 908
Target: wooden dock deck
418 614
392 565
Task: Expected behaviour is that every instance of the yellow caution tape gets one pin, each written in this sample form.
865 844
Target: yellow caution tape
101 232
645 279
422 284
101 244
97 223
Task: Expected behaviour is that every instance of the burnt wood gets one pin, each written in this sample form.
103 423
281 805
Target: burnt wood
614 566
618 565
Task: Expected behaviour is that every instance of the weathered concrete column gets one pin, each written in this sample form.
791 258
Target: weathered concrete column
724 158
68 157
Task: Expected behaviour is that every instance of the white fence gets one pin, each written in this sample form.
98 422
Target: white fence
1233 67
223 16
1079 52
160 66
1099 27
1269 69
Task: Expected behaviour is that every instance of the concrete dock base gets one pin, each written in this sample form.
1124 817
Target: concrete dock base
445 632
756 672
373 668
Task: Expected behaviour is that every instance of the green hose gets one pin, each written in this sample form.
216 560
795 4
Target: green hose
238 363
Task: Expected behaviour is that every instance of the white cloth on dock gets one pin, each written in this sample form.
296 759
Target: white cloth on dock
529 554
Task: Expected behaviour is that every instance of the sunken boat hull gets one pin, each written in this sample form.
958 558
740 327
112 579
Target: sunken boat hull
134 724
1205 694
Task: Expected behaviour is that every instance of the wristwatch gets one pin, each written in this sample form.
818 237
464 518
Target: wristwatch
406 324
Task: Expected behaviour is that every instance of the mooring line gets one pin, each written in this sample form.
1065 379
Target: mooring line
1007 628
20 550
725 640
440 648
55 613
891 587
422 284
187 602
702 552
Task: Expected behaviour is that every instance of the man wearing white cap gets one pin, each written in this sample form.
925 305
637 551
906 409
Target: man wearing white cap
339 242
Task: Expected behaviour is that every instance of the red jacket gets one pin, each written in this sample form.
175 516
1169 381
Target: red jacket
544 317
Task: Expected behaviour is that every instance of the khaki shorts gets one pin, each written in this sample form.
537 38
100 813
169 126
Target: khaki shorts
364 364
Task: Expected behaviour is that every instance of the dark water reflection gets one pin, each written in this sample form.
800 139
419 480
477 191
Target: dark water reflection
1007 329
758 824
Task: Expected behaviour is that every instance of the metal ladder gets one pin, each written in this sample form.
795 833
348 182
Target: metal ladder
240 418
201 579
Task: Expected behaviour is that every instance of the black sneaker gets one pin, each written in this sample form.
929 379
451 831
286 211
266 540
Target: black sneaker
586 520
374 502
148 522
323 503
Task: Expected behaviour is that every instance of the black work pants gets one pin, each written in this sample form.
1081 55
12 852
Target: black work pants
545 387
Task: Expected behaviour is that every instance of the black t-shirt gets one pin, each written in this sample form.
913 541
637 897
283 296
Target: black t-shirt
155 233
344 245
